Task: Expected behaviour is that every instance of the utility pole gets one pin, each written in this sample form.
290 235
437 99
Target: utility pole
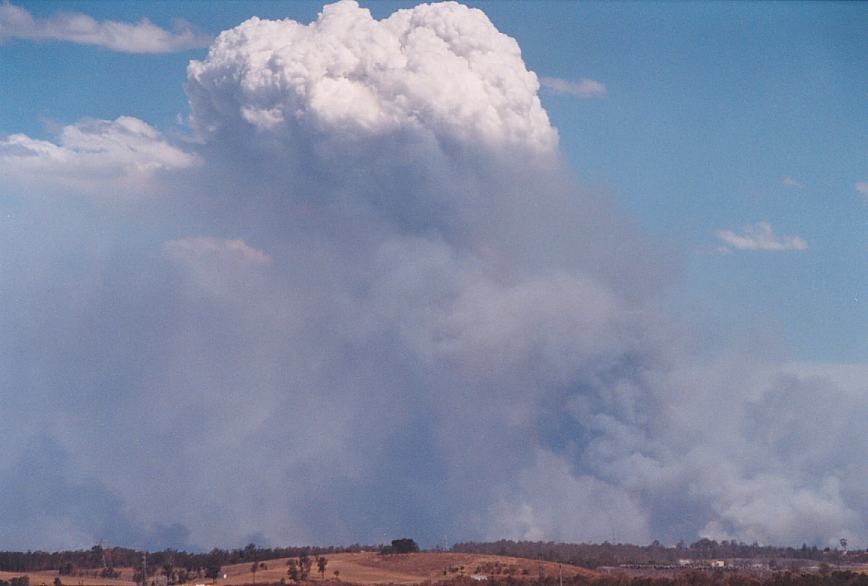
561 573
145 568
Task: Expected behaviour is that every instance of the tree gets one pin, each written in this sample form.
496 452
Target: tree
404 545
292 572
97 556
212 570
305 564
321 563
250 553
213 564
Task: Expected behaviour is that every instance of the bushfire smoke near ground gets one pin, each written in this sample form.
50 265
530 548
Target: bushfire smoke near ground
294 273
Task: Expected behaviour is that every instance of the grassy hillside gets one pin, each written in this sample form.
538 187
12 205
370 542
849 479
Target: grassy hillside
357 568
47 578
373 568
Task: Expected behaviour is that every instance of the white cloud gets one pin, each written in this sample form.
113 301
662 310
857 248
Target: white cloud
584 88
790 182
440 70
760 236
862 188
92 156
74 27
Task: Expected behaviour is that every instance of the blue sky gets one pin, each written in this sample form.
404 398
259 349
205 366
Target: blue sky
709 107
344 277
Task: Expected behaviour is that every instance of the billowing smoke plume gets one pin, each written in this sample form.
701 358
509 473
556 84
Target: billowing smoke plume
378 305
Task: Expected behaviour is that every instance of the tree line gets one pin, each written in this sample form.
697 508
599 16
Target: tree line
687 578
592 555
104 560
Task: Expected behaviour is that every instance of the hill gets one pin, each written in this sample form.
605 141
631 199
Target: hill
412 568
366 568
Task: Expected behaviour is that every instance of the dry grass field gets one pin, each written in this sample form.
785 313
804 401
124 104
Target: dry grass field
414 568
47 578
357 568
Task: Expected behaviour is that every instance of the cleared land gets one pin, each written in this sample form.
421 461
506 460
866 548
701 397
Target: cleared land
414 568
357 568
47 578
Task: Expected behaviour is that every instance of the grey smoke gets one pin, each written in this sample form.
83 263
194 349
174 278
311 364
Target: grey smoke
393 315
